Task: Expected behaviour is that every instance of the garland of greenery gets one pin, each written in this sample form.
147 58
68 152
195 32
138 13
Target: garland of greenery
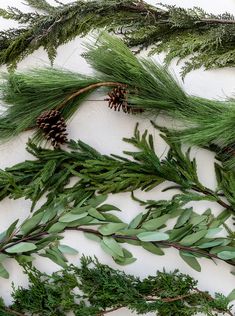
180 32
149 86
76 207
165 293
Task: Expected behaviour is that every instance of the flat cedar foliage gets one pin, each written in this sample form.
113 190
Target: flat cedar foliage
103 290
206 38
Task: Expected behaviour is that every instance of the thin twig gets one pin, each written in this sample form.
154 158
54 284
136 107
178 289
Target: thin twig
86 89
217 21
109 311
9 310
165 243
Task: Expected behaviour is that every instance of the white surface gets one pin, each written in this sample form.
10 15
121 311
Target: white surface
104 129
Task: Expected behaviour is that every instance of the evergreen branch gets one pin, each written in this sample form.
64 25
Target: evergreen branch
53 169
75 207
163 293
180 32
150 87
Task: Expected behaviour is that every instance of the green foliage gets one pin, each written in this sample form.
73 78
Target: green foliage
151 87
206 38
76 207
23 90
165 293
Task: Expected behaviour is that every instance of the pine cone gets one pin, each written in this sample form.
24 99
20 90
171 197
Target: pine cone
53 127
117 100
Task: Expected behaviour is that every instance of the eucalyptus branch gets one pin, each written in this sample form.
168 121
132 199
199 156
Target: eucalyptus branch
180 32
177 246
193 235
160 293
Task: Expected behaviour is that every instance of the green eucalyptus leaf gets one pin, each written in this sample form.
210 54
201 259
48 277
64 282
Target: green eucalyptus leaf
82 221
213 231
21 247
136 221
231 296
56 256
156 223
130 231
3 272
114 248
214 243
191 261
111 228
226 255
126 259
57 228
193 238
31 223
11 229
93 237
178 233
94 202
23 259
153 236
94 213
152 248
184 217
218 249
48 216
112 218
67 249
69 218
108 207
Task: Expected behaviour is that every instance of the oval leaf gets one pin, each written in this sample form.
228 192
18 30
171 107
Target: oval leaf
67 250
191 261
68 218
111 228
193 238
152 236
21 247
226 255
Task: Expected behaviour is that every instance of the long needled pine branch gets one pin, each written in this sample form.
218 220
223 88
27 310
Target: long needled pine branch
147 87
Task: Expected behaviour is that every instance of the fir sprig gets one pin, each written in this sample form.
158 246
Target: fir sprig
165 293
151 88
180 32
52 170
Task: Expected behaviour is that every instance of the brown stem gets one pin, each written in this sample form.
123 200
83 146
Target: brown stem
109 311
9 310
207 192
219 21
169 299
88 88
165 243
